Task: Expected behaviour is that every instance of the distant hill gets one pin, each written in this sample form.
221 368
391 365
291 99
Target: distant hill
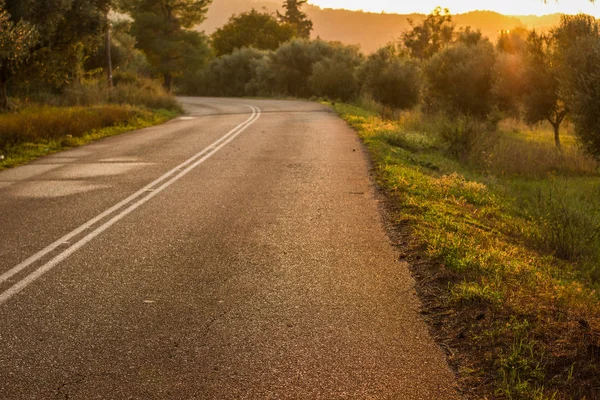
372 30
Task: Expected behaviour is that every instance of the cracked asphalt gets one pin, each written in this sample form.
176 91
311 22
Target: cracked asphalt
264 273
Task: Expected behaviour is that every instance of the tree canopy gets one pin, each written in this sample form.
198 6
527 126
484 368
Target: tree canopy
296 18
391 78
163 32
578 56
542 99
460 79
16 41
431 36
259 30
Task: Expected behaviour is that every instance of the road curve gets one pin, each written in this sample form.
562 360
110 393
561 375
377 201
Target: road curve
234 253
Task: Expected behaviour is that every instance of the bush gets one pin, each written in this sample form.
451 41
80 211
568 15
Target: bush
334 77
460 79
263 83
391 79
85 93
467 138
145 92
128 90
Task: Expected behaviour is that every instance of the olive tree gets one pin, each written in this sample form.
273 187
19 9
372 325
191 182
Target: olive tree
16 41
542 99
578 56
460 79
391 78
334 77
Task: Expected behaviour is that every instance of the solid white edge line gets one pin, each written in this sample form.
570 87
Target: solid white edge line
215 147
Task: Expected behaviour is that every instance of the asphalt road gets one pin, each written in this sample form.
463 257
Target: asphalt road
235 253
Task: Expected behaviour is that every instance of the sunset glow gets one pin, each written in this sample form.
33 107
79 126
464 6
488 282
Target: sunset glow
523 7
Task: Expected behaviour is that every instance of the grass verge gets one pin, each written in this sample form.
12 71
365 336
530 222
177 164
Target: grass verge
517 322
40 130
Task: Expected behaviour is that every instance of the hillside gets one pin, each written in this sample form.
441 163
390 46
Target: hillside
371 30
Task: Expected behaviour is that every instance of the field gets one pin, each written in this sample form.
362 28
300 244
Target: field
503 240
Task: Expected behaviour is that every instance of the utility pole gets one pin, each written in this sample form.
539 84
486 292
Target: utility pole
109 74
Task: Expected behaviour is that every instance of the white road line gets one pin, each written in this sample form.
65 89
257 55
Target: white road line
148 191
87 225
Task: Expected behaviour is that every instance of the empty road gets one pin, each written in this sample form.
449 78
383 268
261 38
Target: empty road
234 253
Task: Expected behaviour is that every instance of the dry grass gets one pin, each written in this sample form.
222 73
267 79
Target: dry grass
85 111
40 130
529 152
140 92
43 122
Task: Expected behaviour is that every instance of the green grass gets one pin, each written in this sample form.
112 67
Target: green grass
522 313
40 130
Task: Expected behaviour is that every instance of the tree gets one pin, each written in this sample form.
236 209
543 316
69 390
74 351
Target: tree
16 41
509 85
542 97
230 75
296 18
468 36
291 66
578 55
513 41
460 79
391 78
68 31
432 35
126 58
163 29
251 29
334 76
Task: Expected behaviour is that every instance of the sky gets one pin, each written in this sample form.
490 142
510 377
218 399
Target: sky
508 7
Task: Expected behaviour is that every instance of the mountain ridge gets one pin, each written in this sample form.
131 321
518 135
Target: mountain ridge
376 29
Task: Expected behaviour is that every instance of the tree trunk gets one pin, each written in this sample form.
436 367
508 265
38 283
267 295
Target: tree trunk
3 97
556 127
168 81
4 103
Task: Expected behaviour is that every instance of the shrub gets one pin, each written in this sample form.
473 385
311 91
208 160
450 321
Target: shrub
145 92
263 83
466 137
129 90
84 93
